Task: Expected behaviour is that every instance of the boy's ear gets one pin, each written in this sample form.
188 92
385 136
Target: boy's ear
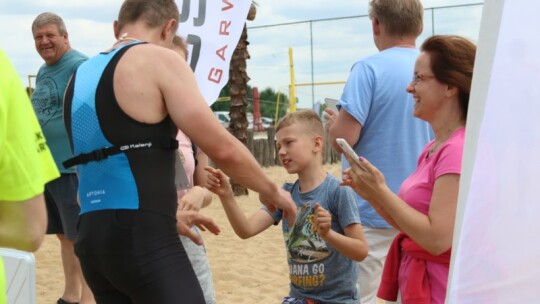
319 143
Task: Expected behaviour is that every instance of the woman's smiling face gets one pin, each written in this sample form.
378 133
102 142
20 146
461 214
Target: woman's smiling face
427 91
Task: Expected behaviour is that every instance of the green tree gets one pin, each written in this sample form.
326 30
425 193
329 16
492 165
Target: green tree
223 105
269 98
268 102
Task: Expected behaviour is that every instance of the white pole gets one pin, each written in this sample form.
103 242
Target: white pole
495 251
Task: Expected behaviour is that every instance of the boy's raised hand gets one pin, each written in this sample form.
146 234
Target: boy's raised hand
323 220
217 182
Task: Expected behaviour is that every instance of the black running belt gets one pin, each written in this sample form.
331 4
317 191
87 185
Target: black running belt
100 154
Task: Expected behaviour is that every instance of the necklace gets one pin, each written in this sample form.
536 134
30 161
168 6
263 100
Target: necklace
437 144
434 147
124 37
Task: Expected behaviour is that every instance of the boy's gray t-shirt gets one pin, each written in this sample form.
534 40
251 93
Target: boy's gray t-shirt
317 271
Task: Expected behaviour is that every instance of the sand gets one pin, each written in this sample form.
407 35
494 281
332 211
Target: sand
245 271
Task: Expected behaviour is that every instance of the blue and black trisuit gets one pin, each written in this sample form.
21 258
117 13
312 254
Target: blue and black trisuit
128 244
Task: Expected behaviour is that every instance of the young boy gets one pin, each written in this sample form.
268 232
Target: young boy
327 238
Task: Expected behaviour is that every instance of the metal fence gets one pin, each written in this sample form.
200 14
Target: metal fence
324 50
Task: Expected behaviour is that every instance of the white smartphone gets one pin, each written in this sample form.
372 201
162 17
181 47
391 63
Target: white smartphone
347 149
331 103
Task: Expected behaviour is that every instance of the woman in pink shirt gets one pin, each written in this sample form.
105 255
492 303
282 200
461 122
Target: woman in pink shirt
424 209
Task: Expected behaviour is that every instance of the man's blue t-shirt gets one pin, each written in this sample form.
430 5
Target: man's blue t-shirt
391 137
48 102
318 271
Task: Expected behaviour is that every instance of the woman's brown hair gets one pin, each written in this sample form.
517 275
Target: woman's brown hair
452 62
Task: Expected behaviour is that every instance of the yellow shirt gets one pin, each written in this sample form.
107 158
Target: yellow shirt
26 164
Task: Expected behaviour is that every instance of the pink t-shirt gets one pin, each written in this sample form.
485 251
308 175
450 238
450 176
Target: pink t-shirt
417 190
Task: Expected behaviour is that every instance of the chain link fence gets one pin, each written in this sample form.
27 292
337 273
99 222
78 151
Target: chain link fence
324 50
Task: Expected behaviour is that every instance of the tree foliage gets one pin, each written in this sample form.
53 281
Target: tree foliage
268 102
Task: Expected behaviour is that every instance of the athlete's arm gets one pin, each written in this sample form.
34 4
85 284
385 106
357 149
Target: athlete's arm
184 103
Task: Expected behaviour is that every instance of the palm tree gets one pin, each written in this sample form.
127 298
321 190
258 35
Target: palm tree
238 80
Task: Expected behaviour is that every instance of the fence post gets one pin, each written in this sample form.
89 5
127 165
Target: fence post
249 140
266 153
271 138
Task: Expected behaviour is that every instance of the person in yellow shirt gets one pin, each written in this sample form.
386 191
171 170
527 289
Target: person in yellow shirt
26 164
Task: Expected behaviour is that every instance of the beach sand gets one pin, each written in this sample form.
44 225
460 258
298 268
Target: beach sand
244 271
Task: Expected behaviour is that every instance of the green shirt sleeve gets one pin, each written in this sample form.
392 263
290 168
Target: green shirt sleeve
26 163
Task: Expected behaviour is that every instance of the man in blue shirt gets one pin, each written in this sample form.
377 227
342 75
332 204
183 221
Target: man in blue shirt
52 44
375 118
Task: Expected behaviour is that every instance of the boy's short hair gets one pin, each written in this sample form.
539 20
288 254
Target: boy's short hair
311 122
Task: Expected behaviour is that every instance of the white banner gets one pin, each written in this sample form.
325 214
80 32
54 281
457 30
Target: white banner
496 253
212 30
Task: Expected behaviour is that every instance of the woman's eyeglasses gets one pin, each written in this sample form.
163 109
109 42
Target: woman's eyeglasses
419 77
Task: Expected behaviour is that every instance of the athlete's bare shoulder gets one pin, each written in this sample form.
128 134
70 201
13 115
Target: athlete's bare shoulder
152 58
139 78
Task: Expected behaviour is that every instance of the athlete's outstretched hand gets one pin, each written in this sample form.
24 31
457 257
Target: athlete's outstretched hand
186 219
282 200
217 182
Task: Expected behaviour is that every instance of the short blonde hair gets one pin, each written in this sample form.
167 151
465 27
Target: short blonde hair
180 43
310 121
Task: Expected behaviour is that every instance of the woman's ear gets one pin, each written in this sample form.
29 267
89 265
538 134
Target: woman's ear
451 91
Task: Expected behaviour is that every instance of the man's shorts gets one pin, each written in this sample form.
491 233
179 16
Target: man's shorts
62 207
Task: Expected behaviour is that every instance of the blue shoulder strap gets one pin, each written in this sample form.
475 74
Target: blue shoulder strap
83 109
109 183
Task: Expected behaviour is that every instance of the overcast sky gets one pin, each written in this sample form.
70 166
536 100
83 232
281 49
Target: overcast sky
337 44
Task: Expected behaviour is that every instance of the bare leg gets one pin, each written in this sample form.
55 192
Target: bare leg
72 287
75 284
87 297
